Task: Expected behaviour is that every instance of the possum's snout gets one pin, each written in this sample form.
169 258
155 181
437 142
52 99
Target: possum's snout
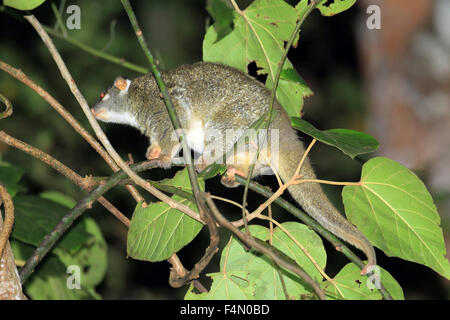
99 112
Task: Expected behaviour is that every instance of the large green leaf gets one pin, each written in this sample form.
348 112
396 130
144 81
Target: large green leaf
89 254
351 142
333 7
36 217
259 36
349 284
23 4
49 280
158 231
261 276
395 211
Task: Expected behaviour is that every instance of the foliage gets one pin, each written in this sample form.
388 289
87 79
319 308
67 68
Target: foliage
400 216
83 246
390 204
158 231
23 4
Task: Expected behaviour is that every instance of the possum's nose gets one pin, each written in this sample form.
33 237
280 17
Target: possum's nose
99 113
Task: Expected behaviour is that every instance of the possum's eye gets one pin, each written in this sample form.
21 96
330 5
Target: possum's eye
104 96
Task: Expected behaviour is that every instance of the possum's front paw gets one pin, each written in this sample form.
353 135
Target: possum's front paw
228 179
153 152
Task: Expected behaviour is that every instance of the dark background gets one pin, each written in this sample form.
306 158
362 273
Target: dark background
327 57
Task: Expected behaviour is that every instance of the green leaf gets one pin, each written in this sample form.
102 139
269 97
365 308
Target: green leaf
158 231
353 286
351 142
222 15
212 170
58 197
89 254
259 36
10 176
291 91
261 270
336 6
394 209
234 285
92 258
49 280
301 7
23 4
36 217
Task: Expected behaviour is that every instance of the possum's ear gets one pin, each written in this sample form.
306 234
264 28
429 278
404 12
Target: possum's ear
122 84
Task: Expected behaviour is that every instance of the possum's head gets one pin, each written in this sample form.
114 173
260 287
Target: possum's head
114 105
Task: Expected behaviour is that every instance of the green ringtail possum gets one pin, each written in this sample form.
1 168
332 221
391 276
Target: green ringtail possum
210 99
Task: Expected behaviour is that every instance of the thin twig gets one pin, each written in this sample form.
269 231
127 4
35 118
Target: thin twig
97 53
240 222
335 183
59 22
44 157
180 272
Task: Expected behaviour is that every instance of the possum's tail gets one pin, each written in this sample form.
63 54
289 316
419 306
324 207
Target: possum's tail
314 201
